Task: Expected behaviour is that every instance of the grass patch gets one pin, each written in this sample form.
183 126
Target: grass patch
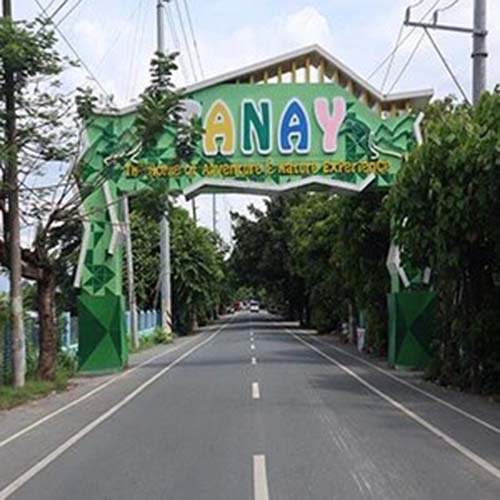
34 389
145 342
157 337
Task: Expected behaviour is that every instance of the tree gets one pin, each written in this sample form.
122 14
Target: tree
360 251
314 225
263 254
446 209
197 257
38 138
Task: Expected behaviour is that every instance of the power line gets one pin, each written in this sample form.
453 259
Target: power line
186 42
389 67
134 62
391 62
56 11
69 12
195 43
402 41
175 40
50 4
447 66
127 82
447 7
68 43
118 33
407 64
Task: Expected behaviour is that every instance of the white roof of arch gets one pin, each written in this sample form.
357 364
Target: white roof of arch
315 53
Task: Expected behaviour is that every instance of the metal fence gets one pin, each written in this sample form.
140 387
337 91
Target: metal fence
68 332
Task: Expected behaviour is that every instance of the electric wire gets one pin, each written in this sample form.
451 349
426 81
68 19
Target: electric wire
391 62
175 41
400 34
447 66
195 43
69 12
447 7
57 10
131 50
402 42
143 31
49 5
407 64
118 34
136 41
74 51
186 42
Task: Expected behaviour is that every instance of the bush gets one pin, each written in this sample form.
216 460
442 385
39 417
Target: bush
160 336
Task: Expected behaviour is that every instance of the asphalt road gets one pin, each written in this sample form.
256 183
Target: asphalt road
253 410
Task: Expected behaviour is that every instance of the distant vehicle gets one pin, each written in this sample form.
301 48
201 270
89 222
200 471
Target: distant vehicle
254 306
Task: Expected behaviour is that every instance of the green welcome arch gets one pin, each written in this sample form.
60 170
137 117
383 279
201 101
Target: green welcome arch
302 121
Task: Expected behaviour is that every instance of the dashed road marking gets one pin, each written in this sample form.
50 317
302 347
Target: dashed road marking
255 390
260 487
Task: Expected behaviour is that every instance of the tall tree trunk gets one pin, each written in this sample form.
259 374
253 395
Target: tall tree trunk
47 318
14 224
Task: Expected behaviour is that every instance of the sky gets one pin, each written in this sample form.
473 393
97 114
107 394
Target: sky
116 38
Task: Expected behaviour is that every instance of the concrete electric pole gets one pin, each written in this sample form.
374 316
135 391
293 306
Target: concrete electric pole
214 213
165 271
479 51
132 303
13 233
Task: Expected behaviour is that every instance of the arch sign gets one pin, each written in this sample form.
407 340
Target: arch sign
335 134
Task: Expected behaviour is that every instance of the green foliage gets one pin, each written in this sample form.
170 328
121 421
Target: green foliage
26 48
360 251
160 105
446 209
263 254
197 259
161 336
315 254
85 101
11 397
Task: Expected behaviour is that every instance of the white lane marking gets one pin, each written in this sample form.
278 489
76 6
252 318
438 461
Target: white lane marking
481 462
44 462
260 488
89 394
414 387
254 360
255 391
252 347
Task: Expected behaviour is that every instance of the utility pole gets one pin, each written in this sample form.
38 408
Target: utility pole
480 53
165 271
132 303
479 35
214 213
14 225
193 205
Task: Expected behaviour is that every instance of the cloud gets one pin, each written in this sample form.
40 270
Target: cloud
234 34
251 43
305 27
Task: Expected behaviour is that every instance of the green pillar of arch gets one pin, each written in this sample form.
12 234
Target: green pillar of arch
101 308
